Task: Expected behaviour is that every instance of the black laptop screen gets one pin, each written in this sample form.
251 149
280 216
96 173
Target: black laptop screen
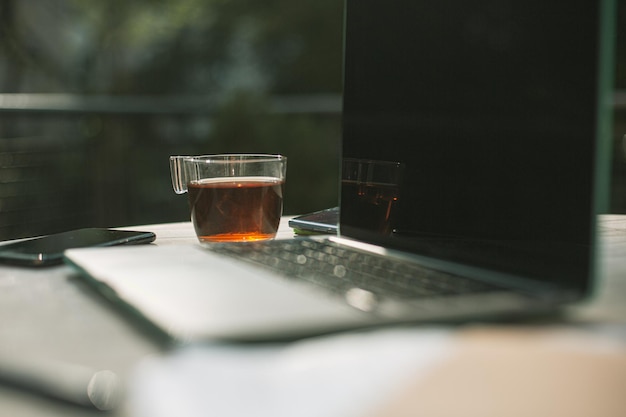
470 131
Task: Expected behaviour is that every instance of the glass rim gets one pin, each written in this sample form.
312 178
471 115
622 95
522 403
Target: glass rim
237 158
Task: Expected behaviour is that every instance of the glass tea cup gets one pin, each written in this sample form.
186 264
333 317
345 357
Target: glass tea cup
232 197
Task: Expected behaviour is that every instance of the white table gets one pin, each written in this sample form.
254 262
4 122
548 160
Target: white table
52 313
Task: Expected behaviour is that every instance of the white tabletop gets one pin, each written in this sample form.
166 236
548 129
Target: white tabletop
51 313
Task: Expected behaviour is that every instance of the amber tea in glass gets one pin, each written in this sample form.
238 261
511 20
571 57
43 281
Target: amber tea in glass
232 198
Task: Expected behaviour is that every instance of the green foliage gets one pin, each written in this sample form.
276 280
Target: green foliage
188 46
235 55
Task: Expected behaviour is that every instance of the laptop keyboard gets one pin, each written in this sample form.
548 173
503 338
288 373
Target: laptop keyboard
341 268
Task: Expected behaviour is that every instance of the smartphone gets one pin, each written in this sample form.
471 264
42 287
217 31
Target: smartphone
323 221
48 250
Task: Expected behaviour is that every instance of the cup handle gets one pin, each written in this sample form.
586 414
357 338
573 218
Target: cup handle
179 181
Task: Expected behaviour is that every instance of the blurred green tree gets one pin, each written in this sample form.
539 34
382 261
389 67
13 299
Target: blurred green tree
233 57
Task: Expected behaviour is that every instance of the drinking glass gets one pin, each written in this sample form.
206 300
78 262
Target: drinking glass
232 197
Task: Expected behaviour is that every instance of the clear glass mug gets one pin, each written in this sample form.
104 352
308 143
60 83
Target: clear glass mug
232 197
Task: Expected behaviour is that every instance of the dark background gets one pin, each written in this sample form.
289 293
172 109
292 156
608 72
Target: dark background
94 97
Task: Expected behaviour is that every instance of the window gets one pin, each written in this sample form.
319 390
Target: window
94 97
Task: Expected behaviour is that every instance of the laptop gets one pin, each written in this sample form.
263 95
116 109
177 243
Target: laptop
474 163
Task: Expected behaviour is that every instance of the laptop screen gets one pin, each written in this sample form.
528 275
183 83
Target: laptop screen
470 132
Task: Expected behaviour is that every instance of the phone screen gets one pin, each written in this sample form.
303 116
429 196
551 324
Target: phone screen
323 221
48 250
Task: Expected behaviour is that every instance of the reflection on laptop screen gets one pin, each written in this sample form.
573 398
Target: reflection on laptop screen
471 131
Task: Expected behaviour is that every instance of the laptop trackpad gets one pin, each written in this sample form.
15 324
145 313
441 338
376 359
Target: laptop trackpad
192 294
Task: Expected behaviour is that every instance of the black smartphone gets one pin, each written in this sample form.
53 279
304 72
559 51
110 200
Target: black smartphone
323 221
48 250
